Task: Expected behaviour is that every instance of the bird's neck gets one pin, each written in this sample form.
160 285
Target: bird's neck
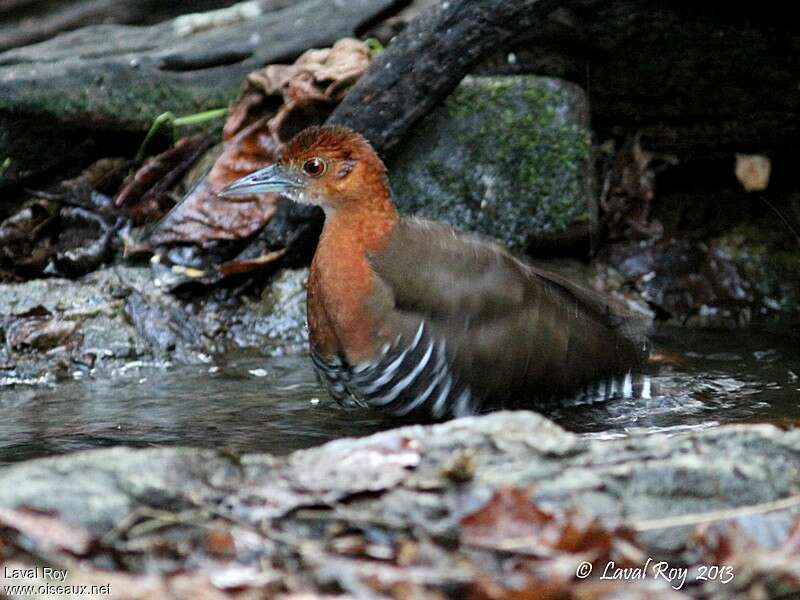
341 279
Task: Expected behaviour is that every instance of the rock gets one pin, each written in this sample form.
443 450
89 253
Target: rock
772 267
689 80
26 22
64 99
398 486
123 314
744 275
504 156
275 323
89 302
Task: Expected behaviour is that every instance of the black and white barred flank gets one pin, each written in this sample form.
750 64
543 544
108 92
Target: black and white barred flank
630 386
417 379
405 379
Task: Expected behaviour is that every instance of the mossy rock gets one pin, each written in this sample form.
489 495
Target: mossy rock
94 92
504 156
771 264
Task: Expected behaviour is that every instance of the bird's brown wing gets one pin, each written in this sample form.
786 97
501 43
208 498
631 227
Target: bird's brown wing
513 332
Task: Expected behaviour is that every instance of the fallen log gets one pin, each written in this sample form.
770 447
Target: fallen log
428 59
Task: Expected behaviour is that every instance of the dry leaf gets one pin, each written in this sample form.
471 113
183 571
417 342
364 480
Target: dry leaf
143 195
38 330
752 171
254 136
46 531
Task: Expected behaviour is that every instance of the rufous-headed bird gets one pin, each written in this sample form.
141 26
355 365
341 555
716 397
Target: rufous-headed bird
411 316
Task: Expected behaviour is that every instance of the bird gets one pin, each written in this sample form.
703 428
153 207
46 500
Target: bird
413 317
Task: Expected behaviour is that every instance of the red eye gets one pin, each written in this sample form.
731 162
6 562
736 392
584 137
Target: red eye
315 167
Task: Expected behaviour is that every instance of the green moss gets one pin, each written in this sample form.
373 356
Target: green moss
526 140
768 262
504 156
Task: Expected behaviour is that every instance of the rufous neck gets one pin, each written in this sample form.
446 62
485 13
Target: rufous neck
367 225
341 279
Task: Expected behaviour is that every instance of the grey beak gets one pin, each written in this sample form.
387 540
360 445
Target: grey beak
269 179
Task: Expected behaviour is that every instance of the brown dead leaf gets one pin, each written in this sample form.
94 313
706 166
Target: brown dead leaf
752 171
103 176
336 68
237 267
257 126
202 218
143 195
46 531
628 191
220 543
509 519
37 329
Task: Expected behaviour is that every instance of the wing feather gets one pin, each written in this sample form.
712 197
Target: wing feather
514 331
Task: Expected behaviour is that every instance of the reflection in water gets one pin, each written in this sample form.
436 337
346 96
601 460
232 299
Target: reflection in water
275 405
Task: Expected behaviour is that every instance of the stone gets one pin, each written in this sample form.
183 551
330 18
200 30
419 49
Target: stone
396 482
507 157
772 267
124 315
276 322
65 99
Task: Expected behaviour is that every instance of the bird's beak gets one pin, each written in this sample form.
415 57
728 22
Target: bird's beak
270 179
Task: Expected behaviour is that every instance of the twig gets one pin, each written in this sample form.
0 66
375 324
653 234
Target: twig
786 222
716 515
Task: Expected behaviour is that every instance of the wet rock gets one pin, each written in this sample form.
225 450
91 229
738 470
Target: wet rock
124 313
151 322
771 265
658 487
88 305
504 156
64 99
275 322
107 336
682 279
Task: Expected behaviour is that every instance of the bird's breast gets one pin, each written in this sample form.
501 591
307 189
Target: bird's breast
339 286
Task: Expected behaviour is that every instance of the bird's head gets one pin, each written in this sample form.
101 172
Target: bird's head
333 167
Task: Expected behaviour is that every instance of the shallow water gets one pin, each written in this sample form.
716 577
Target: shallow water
710 378
253 404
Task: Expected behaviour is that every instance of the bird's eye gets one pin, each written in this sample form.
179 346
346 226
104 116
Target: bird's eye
315 167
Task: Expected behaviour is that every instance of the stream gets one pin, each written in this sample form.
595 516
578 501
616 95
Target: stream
248 403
